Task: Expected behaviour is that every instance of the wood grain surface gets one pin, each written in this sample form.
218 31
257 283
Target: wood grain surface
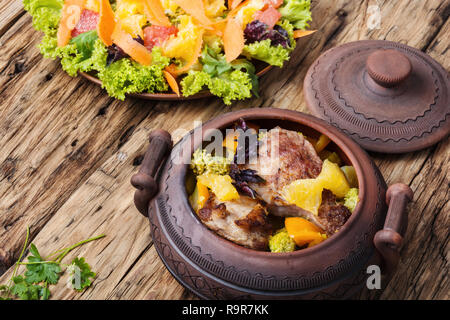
68 152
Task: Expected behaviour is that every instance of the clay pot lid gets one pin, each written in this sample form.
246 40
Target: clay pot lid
387 96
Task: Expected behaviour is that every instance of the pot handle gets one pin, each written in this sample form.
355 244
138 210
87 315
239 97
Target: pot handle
144 181
389 240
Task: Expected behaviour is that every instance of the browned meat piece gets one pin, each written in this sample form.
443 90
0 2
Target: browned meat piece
332 215
283 157
296 159
243 221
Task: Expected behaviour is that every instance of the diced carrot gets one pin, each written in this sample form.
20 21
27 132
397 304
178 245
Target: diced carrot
134 49
155 13
173 84
302 33
196 9
233 40
270 16
106 23
176 71
302 231
70 15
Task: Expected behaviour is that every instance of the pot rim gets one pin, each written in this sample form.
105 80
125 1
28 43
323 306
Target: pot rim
342 141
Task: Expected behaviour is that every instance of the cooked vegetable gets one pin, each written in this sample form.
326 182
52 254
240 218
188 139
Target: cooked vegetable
321 143
204 162
350 174
351 199
281 242
220 185
303 232
331 156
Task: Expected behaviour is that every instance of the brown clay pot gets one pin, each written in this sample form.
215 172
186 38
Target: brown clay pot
215 268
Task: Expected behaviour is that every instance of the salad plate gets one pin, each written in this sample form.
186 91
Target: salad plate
171 49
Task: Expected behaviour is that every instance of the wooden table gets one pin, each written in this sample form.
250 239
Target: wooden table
68 152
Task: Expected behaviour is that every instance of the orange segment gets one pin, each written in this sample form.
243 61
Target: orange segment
70 15
173 84
106 23
233 40
155 12
134 49
221 186
302 33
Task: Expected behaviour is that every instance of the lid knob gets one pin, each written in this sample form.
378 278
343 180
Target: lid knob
388 68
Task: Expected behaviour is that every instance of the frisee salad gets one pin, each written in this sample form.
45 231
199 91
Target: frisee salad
181 46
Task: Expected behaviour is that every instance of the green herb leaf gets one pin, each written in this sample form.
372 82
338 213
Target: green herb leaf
85 43
80 274
41 271
26 291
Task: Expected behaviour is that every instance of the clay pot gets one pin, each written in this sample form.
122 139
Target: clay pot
215 268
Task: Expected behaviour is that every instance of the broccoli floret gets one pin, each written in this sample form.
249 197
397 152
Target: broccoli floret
351 199
204 162
281 242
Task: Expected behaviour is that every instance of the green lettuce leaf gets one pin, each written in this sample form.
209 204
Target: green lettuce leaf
297 12
232 85
265 51
126 76
46 14
84 53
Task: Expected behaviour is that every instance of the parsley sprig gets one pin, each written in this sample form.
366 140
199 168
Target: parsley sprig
42 272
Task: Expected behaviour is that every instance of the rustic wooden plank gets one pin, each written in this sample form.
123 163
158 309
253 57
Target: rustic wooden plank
98 198
49 145
10 11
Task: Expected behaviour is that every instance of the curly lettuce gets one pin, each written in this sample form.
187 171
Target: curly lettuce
296 12
273 55
126 76
45 13
232 85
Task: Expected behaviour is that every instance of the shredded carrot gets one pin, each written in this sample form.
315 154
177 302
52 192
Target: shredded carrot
302 33
233 40
176 71
70 15
106 23
238 7
196 9
232 4
173 84
134 49
155 13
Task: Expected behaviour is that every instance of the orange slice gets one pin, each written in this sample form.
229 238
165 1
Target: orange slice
70 15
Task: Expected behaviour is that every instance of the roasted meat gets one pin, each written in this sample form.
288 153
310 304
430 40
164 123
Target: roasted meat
243 221
283 157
